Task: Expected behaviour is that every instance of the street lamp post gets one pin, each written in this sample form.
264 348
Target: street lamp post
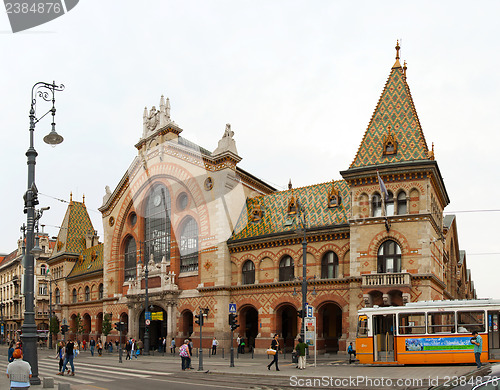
146 303
29 336
302 220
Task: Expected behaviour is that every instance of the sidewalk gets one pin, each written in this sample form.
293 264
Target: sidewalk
331 368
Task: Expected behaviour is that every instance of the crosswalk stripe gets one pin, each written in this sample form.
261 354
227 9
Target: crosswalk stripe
93 370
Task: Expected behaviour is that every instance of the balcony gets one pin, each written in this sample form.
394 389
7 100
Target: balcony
386 280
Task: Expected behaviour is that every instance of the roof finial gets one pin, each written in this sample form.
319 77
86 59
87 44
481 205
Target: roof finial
71 197
404 68
84 199
290 184
397 64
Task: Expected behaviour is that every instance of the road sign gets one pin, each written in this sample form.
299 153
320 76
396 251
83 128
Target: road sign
148 322
147 315
157 315
232 308
309 311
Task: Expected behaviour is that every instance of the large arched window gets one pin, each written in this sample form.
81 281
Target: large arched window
286 269
376 205
248 272
401 203
58 296
389 257
87 294
329 266
75 298
101 291
389 204
130 259
188 245
157 224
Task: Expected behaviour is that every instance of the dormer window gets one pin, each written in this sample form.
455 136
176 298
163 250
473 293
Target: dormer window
334 197
256 213
292 206
390 144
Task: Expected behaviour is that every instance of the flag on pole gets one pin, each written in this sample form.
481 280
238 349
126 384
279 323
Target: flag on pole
383 189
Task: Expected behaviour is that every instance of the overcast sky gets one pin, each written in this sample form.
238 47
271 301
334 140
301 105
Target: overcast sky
297 80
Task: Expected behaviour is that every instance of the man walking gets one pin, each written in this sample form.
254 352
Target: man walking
92 346
478 347
128 348
172 346
301 351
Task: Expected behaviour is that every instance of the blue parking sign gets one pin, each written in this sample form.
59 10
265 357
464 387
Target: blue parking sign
232 308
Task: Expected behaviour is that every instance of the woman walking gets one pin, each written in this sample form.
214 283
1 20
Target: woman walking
60 354
276 346
185 355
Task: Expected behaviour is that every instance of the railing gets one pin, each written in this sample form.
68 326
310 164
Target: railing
392 279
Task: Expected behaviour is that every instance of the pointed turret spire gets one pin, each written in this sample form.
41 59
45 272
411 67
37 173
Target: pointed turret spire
404 69
397 64
83 199
290 184
168 108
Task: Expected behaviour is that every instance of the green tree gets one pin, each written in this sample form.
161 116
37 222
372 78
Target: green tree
106 324
54 326
78 325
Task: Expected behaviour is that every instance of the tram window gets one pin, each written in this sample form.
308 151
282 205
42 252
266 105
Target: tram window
412 323
363 326
469 321
441 322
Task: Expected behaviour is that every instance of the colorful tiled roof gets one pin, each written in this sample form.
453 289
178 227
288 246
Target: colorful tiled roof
396 112
275 217
75 226
91 260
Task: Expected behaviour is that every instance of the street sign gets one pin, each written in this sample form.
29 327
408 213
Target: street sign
232 308
309 311
157 315
311 334
147 315
148 322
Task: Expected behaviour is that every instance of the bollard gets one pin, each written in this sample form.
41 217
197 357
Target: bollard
222 353
252 353
63 386
48 383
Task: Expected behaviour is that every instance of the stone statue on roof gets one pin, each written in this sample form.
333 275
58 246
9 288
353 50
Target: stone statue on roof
226 143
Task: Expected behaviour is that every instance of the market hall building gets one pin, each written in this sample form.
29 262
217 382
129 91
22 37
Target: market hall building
210 234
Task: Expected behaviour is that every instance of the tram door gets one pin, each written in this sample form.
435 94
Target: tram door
493 335
383 337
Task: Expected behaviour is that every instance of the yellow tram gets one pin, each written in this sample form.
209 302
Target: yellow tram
428 332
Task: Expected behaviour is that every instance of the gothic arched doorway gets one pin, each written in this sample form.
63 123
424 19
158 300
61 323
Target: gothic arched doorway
286 325
157 328
86 327
249 317
331 321
98 325
187 323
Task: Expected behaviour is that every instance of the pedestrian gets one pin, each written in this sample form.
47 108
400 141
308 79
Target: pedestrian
242 346
351 351
238 341
276 346
79 343
164 344
190 345
301 351
478 347
70 348
172 346
140 346
19 371
128 348
133 349
110 347
185 355
99 348
84 345
92 346
11 351
215 343
61 354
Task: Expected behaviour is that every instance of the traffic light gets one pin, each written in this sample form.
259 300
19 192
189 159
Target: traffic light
64 328
300 313
119 326
199 319
232 321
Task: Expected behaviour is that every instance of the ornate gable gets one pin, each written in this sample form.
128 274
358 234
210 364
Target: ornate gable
394 133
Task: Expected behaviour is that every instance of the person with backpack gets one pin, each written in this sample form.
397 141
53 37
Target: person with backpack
61 354
70 350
